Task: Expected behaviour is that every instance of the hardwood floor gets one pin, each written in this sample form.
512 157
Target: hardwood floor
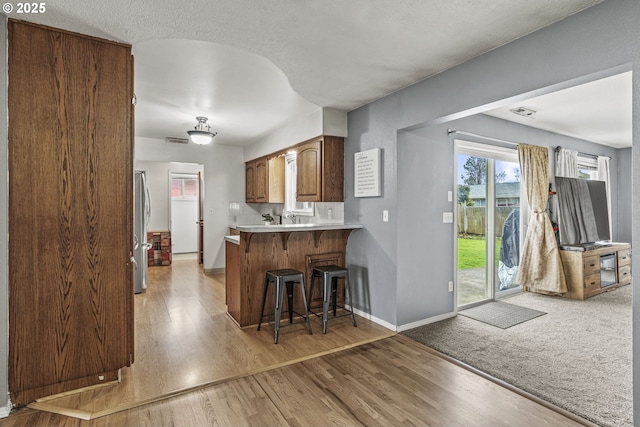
350 376
389 382
185 340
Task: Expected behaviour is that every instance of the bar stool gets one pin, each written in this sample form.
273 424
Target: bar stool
330 275
281 278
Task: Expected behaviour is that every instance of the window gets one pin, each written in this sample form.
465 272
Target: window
587 167
184 187
290 174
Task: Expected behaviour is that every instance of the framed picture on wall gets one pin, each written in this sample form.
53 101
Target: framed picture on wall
367 173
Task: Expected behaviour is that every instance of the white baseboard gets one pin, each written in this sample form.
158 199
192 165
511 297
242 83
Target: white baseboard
374 319
407 326
5 410
425 321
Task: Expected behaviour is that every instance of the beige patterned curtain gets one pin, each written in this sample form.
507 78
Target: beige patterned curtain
540 267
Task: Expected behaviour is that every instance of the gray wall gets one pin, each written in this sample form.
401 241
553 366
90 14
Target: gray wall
625 195
427 158
404 284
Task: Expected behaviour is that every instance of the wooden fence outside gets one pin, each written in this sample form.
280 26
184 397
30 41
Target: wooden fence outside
472 219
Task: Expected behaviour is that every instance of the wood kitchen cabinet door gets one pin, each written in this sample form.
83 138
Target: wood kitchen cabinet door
319 260
320 164
309 178
249 180
261 184
70 210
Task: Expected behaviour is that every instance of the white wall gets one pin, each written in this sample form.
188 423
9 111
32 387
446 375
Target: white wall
224 182
158 182
323 121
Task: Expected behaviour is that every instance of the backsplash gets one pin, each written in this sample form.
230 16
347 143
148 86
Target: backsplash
241 213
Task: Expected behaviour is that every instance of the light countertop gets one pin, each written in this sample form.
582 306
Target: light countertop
233 239
284 228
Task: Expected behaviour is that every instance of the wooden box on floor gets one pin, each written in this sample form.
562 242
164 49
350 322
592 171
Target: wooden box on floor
160 250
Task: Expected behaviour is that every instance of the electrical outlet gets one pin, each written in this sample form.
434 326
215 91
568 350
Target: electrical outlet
450 286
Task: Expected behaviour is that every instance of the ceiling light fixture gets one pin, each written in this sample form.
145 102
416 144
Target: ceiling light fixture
202 134
524 111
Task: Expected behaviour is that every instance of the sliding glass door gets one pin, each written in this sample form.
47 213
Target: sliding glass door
488 222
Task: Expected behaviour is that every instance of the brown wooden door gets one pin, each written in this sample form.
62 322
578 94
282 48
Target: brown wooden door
70 210
200 221
309 178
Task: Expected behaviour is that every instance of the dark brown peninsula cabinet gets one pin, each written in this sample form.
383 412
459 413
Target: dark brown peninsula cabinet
70 210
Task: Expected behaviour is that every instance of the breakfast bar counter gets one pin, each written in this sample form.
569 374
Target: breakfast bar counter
260 248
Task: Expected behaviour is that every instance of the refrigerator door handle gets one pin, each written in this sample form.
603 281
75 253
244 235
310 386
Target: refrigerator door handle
135 263
136 242
147 202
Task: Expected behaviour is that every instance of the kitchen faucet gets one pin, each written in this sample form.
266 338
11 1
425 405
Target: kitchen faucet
291 216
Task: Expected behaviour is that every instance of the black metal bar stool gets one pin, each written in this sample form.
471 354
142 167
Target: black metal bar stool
281 278
330 275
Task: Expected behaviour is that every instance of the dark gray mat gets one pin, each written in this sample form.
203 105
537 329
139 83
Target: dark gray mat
501 314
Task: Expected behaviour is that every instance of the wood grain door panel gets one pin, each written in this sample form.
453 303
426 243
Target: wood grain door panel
70 208
309 178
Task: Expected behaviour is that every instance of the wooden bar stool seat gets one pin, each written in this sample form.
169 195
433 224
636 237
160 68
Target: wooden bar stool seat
330 275
284 277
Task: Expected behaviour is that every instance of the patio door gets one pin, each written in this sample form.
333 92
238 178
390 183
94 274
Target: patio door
488 220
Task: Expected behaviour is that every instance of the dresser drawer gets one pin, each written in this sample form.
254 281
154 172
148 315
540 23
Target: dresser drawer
624 257
592 282
624 274
591 265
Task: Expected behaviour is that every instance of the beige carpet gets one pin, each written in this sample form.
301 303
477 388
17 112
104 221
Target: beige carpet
577 357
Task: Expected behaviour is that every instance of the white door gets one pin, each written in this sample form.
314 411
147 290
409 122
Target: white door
184 213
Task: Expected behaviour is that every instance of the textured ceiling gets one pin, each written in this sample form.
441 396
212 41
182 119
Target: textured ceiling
332 53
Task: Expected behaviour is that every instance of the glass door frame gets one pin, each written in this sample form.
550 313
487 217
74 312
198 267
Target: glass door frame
493 152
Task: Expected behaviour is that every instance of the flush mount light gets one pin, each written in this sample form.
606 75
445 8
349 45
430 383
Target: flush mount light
524 111
202 134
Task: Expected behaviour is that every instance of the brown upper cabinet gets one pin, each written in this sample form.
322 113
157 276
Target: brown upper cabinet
320 178
320 164
265 180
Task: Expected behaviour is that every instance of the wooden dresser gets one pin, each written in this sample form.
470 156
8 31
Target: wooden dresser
594 271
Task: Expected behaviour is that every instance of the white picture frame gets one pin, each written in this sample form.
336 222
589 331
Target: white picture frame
367 173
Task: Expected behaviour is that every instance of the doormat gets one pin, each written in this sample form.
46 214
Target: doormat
501 314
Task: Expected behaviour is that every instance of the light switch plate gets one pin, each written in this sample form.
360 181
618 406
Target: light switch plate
447 217
449 196
385 216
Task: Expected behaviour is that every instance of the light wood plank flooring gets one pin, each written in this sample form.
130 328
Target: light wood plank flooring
186 340
351 376
391 382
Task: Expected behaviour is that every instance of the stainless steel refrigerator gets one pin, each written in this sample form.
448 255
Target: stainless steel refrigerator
141 215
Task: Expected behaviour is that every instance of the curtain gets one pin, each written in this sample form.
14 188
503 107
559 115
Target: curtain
540 265
577 219
567 163
605 175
